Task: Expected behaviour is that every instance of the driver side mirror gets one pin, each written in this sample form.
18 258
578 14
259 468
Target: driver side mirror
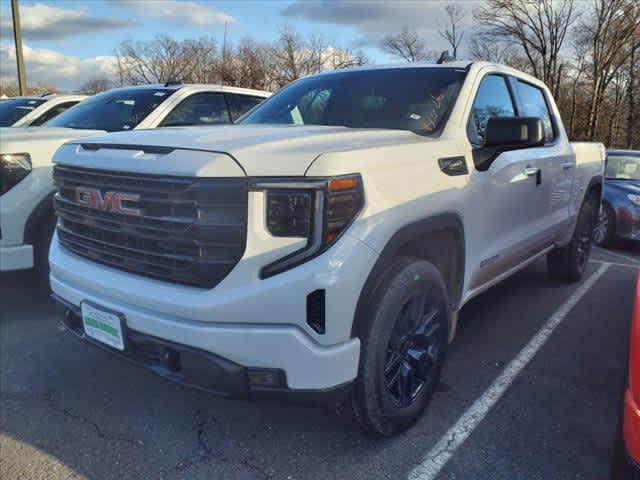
508 133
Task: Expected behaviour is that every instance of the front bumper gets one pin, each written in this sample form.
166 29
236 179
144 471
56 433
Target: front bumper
202 370
256 324
16 257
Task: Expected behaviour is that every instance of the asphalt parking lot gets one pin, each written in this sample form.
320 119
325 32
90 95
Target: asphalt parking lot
71 411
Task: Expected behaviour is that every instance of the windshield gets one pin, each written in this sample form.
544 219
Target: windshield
112 111
416 99
14 109
623 167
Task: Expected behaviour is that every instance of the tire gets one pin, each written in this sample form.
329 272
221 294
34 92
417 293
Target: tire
402 350
605 229
569 263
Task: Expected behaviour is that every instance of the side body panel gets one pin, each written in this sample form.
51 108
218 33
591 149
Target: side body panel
589 172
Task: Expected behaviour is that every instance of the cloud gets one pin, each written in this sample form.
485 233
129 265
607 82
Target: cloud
183 12
374 20
53 68
44 22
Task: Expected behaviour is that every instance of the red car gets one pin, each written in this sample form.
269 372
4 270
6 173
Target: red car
626 461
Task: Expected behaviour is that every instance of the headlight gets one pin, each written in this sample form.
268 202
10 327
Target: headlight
318 209
635 199
13 168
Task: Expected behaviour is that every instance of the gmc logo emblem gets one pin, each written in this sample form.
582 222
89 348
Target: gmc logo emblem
107 201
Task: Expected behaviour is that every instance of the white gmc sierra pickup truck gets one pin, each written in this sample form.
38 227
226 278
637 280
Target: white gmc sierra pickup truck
324 245
26 185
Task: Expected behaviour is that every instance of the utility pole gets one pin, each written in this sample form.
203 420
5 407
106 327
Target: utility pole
224 55
17 35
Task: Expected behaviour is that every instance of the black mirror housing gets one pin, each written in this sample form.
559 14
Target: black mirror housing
519 132
508 133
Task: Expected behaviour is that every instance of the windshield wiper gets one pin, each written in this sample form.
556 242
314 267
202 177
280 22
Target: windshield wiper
179 124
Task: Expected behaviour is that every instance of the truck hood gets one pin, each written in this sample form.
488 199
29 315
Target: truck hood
39 142
263 150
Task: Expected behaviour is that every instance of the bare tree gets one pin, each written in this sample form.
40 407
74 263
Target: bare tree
609 31
291 58
95 85
336 58
506 53
407 45
452 32
199 60
538 27
615 99
10 89
631 115
578 70
251 66
164 58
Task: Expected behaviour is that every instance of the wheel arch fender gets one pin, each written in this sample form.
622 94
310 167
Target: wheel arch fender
440 240
595 186
37 219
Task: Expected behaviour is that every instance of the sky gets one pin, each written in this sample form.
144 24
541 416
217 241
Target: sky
67 42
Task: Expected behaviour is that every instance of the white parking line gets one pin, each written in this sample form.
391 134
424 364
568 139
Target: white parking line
634 266
440 454
635 261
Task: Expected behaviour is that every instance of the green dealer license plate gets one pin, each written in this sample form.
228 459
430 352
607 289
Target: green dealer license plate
101 325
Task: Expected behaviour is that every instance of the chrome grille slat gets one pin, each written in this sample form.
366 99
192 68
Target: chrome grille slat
192 230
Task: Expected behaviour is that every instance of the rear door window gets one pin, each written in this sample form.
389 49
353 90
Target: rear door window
492 100
534 104
206 108
241 104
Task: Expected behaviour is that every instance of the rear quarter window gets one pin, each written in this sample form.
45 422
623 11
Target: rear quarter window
241 104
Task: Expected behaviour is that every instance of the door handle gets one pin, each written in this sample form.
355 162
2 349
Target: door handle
534 172
567 165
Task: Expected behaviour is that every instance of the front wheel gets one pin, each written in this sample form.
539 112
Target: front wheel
569 263
404 342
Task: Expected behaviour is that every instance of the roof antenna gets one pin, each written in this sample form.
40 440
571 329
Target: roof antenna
445 57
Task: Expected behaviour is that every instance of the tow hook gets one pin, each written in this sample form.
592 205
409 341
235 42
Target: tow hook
172 360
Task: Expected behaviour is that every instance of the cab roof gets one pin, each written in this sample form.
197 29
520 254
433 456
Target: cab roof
173 86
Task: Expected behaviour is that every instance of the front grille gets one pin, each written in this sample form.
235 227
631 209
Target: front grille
191 231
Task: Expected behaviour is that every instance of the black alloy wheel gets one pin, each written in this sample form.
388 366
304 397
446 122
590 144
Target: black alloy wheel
413 350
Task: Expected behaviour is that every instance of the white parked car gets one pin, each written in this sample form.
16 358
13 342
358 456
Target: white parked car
325 245
26 185
35 111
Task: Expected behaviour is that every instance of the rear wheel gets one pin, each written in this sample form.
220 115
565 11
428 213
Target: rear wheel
604 230
569 263
404 342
